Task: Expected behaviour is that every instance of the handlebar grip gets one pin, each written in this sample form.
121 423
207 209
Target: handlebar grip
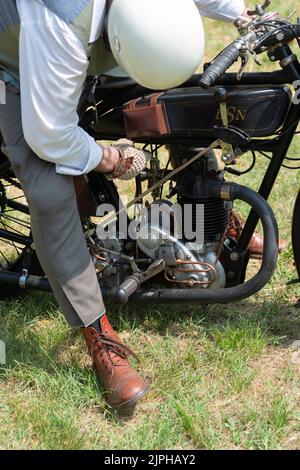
219 66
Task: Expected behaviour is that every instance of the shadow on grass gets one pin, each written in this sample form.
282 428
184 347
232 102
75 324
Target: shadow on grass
36 333
277 318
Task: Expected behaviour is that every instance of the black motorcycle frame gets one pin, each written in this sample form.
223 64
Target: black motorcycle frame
118 92
278 148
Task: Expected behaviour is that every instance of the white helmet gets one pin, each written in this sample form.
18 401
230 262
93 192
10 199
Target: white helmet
158 43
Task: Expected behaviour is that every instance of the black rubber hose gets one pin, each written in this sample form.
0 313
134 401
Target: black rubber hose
223 296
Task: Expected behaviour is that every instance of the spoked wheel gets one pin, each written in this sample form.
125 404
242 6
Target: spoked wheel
296 234
16 246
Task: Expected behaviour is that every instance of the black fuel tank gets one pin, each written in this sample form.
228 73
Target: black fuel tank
193 112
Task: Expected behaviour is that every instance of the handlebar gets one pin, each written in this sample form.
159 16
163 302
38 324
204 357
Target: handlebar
247 42
288 33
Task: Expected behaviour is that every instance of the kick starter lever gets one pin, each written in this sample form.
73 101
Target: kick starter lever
121 294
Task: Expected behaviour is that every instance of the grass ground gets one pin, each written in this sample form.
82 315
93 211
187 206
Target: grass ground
221 377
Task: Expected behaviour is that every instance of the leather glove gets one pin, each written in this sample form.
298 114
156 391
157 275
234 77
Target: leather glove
131 163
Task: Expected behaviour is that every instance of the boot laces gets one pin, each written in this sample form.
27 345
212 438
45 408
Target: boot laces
115 349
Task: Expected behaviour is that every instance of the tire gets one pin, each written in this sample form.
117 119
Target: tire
296 234
15 219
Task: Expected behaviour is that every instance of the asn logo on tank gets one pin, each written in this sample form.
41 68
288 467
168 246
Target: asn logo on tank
234 114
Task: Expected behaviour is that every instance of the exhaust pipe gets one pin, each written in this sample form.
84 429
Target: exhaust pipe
231 192
227 191
24 282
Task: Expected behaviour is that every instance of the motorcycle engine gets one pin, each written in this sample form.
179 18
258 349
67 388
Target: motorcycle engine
188 262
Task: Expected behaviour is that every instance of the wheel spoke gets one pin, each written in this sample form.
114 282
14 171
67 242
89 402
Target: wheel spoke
22 240
8 242
16 198
15 225
12 229
2 254
17 221
12 242
18 206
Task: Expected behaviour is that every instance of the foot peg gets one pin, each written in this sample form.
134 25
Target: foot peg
120 295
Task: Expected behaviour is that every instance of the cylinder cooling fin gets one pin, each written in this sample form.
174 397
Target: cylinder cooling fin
191 191
215 216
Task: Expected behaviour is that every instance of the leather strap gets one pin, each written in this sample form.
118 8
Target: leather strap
153 101
154 98
132 104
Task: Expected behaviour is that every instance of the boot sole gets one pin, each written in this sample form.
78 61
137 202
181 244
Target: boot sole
128 405
256 256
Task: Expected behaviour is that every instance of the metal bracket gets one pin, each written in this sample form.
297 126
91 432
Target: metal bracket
227 150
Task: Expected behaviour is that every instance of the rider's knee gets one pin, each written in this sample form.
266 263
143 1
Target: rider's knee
54 195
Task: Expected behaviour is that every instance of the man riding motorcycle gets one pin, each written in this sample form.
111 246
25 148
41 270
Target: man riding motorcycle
47 49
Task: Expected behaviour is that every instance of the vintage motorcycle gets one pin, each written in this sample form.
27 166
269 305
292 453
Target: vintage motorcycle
239 114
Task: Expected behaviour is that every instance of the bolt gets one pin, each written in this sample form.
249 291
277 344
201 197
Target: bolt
230 275
234 257
128 246
221 94
102 197
228 205
238 152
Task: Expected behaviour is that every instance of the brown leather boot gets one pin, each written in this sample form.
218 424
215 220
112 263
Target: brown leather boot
109 354
236 225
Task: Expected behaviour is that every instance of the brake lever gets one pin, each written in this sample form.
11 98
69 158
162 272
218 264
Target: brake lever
256 59
245 60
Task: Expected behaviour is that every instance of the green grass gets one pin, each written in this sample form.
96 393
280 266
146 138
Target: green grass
221 377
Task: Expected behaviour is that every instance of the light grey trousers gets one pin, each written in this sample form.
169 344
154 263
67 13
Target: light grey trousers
56 225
